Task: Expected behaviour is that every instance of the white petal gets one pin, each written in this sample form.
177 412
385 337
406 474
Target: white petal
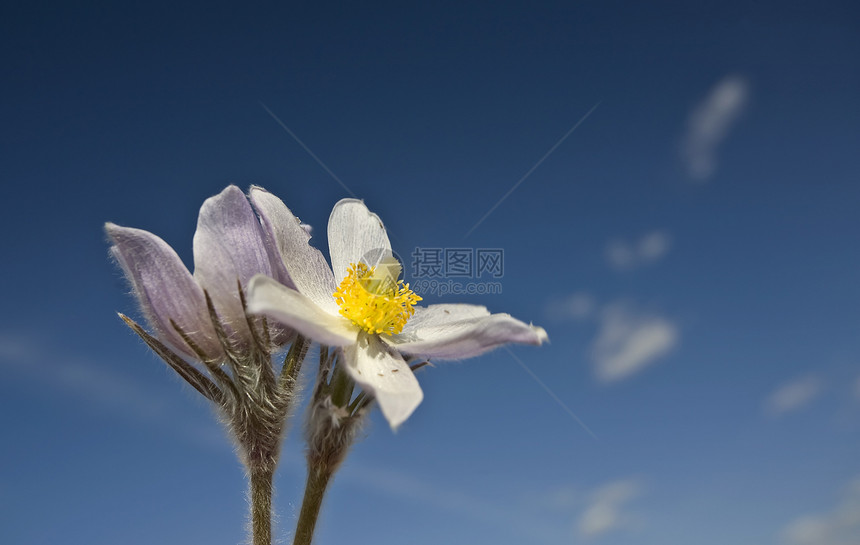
355 234
165 289
229 248
305 264
291 308
435 315
461 331
382 372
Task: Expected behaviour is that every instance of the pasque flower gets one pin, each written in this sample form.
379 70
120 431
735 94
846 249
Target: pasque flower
231 245
202 317
359 304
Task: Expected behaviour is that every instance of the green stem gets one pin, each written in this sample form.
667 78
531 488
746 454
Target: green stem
261 506
293 362
318 479
341 387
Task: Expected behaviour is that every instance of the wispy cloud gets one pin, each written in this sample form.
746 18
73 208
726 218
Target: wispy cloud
628 341
15 349
543 517
839 526
577 306
793 395
710 123
622 255
92 383
561 498
447 498
606 510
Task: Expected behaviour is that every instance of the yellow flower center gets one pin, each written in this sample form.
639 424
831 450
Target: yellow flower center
374 300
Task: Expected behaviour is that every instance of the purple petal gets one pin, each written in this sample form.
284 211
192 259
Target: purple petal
229 248
164 288
461 331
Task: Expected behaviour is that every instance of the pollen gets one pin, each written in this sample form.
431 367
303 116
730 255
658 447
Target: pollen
374 300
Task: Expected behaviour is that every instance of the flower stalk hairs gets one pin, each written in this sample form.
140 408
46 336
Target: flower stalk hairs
201 329
259 286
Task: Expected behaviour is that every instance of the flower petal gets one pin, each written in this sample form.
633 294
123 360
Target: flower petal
443 314
355 234
165 289
382 372
307 268
292 308
461 331
229 248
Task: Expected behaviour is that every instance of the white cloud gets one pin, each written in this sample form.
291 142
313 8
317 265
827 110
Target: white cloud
577 306
654 245
709 124
622 255
839 526
628 341
605 511
793 395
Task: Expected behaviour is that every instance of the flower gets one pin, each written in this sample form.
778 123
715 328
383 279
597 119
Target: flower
202 316
358 304
231 245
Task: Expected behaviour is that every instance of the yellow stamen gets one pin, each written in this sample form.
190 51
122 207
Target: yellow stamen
375 300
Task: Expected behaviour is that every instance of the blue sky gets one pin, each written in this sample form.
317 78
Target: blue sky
691 248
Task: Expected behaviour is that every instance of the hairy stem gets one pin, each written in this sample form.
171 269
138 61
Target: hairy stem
318 479
261 506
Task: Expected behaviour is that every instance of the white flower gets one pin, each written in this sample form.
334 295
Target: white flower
363 308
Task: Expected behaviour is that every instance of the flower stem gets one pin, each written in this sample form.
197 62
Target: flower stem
261 506
318 479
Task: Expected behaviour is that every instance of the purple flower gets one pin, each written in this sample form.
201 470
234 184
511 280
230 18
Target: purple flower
202 316
231 245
